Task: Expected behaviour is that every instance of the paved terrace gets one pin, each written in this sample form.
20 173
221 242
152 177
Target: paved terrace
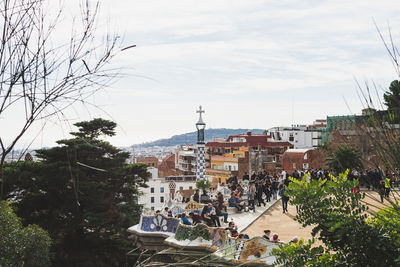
286 227
245 219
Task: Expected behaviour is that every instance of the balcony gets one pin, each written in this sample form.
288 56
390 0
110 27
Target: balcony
182 161
187 153
182 168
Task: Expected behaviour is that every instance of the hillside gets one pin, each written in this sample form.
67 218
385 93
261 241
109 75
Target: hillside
191 138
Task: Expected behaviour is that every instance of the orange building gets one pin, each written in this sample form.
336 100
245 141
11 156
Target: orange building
303 159
151 162
243 154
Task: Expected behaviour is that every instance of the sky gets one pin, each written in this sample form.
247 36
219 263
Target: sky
250 64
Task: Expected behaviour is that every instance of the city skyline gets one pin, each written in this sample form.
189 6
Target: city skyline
255 64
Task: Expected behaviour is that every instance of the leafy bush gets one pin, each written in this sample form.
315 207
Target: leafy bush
21 246
203 184
337 214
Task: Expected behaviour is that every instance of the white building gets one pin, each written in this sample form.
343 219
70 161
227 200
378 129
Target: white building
185 159
153 171
157 195
301 136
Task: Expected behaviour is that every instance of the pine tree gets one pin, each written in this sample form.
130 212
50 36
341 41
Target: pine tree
85 195
392 100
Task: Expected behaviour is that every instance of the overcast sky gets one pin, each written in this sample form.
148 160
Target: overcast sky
250 64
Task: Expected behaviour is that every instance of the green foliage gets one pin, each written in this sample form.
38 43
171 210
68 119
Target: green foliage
203 184
392 100
388 220
339 217
345 157
303 254
95 128
21 246
84 194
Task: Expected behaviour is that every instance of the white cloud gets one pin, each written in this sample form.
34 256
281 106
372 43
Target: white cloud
231 54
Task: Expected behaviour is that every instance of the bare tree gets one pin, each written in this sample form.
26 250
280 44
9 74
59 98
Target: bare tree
42 75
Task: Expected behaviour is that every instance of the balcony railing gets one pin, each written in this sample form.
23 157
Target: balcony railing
182 168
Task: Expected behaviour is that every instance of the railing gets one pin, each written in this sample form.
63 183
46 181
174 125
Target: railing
183 168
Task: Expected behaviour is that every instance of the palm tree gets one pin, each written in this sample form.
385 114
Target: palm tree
345 157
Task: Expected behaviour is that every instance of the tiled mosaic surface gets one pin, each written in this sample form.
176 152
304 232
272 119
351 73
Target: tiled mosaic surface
201 164
255 249
159 223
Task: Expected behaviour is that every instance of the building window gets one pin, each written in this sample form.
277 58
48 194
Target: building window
152 190
152 199
214 166
162 199
190 187
161 189
181 188
291 138
294 165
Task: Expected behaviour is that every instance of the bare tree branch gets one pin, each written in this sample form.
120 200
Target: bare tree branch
44 76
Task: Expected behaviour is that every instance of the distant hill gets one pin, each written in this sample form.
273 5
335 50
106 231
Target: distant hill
191 138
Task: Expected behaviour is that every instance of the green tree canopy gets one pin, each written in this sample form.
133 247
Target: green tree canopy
95 128
392 100
345 157
339 217
21 246
203 184
85 194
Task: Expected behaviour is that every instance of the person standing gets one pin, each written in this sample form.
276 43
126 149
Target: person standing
267 191
275 184
381 190
196 196
259 194
285 198
387 186
251 196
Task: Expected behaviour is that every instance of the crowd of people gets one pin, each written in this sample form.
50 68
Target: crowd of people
209 215
263 187
210 219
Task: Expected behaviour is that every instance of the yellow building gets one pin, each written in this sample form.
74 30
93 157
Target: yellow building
224 166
